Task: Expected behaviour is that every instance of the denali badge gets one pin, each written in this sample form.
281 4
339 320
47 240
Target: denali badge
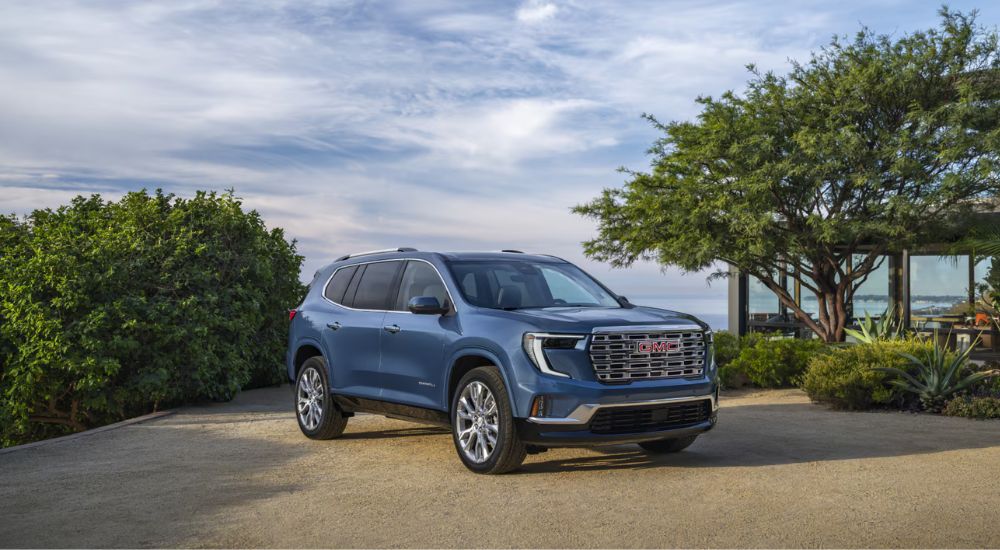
656 346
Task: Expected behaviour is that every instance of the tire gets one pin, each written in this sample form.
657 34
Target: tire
481 401
666 446
317 413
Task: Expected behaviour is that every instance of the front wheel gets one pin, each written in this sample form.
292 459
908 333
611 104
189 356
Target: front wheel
664 446
483 424
318 416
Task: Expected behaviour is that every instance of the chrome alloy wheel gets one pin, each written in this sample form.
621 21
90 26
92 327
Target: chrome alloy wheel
476 421
310 399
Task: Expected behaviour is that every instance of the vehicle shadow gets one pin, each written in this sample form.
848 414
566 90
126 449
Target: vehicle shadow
390 434
790 433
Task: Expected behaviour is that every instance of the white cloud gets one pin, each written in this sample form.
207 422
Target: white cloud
533 12
502 133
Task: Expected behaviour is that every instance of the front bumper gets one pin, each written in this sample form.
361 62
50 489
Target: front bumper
581 428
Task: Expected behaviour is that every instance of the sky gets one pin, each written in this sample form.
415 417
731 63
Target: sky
443 125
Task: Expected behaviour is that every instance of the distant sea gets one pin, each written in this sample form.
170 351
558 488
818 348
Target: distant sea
713 310
710 310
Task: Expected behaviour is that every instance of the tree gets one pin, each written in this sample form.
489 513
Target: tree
112 309
871 146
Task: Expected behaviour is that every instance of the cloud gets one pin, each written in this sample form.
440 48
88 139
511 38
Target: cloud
533 12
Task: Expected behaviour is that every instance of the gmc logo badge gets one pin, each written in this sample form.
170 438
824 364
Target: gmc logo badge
656 347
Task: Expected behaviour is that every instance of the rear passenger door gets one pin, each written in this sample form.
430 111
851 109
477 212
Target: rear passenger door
354 326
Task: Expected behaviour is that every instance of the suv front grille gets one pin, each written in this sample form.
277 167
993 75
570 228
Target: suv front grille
626 356
624 420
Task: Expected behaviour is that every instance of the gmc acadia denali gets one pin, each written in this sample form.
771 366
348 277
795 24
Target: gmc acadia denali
514 353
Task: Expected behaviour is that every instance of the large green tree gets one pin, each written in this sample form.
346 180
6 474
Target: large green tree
111 308
872 145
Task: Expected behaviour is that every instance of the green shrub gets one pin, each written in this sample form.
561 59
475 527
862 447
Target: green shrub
847 377
110 309
973 407
727 347
935 376
776 363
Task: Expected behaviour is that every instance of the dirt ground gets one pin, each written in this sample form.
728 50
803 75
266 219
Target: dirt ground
776 472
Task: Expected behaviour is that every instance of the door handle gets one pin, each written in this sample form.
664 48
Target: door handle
334 326
392 329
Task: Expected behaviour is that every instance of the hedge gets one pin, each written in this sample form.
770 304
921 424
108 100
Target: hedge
112 309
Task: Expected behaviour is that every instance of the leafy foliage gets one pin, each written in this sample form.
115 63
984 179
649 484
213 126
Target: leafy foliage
886 327
111 309
853 377
973 407
776 363
936 375
872 145
727 347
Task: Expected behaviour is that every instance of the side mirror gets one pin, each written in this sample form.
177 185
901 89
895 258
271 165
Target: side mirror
426 305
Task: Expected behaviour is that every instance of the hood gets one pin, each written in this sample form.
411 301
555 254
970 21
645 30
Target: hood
585 319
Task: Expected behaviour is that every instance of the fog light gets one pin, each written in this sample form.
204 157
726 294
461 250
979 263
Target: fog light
540 406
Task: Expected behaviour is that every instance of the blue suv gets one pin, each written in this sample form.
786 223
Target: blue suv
514 353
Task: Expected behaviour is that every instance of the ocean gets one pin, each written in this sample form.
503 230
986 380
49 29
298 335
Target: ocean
712 310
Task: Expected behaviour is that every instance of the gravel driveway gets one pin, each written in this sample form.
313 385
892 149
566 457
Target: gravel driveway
777 471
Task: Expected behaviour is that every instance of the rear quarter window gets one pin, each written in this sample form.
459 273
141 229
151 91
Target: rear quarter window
337 286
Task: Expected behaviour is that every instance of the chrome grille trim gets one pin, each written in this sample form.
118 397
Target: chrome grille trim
615 356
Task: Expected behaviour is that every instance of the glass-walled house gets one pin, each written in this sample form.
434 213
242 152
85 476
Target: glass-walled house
928 290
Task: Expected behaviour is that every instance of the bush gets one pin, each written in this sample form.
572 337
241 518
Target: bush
973 407
727 347
846 378
111 309
775 363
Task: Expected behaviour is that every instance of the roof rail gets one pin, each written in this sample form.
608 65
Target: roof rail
553 256
512 251
384 250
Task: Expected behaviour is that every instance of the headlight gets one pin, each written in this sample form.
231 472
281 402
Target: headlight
709 336
534 344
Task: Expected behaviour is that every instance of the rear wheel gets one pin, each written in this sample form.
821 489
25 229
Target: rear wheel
665 446
318 416
483 424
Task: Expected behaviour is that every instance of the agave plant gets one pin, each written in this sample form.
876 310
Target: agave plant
870 330
937 376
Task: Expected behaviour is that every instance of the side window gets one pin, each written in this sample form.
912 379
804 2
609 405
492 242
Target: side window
376 283
337 286
419 279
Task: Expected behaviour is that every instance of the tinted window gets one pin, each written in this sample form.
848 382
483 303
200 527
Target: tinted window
420 279
376 281
337 286
352 288
523 284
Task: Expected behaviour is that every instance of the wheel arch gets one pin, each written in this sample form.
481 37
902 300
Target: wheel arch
464 361
305 350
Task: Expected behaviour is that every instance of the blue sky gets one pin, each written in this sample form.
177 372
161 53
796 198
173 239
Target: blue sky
358 125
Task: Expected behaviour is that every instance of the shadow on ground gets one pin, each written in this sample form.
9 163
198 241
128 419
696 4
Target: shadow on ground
790 433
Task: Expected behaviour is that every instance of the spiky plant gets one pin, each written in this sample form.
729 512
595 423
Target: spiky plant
937 376
870 330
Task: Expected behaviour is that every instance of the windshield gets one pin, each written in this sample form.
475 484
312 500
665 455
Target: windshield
519 284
